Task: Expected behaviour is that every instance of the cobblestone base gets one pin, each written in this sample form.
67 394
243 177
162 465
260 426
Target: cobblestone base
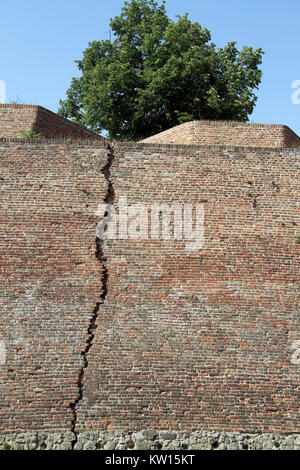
150 439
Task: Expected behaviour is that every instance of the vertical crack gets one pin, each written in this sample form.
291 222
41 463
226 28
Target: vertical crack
109 198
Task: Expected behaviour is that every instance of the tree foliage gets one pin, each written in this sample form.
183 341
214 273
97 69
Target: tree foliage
157 73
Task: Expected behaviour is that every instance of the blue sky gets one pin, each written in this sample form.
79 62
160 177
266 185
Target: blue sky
39 42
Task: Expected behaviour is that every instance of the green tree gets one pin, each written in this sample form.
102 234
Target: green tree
157 73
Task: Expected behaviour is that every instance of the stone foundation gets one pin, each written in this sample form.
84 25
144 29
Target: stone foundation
149 439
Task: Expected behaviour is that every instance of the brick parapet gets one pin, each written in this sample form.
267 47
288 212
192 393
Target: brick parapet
16 119
228 133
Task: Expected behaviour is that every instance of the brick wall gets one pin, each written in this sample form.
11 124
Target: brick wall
228 133
16 119
50 277
201 339
185 340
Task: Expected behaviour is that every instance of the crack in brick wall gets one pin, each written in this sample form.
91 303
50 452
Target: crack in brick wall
93 321
199 340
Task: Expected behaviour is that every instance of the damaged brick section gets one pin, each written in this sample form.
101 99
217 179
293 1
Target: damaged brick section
93 321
